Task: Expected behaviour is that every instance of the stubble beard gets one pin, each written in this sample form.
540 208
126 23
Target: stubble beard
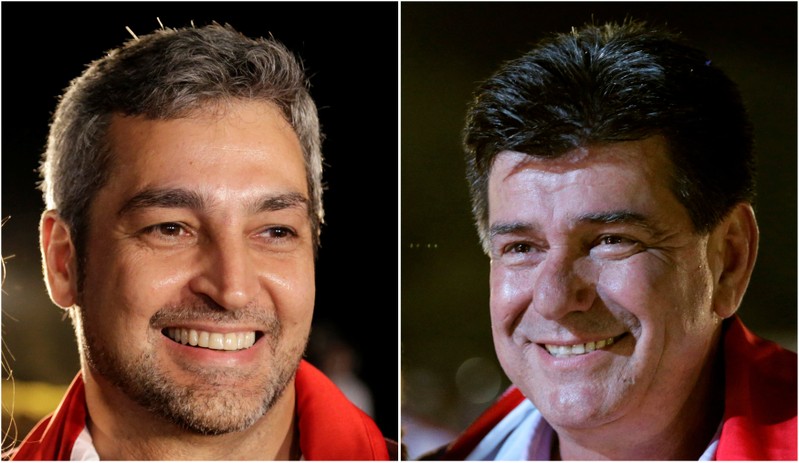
211 405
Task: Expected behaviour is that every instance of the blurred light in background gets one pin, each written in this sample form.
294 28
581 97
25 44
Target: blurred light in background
478 380
24 404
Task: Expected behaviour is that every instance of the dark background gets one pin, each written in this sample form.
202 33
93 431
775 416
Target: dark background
352 64
449 370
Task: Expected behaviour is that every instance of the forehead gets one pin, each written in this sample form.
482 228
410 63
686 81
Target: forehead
227 143
617 176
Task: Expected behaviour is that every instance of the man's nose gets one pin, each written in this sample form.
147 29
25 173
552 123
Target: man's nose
228 274
562 285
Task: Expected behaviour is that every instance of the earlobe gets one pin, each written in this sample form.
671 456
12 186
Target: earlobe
59 259
738 239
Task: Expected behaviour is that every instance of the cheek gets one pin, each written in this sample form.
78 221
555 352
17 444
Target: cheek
635 284
120 297
291 286
147 284
661 295
511 295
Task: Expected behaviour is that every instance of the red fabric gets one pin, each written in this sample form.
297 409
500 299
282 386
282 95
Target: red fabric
759 403
760 399
330 426
466 442
53 437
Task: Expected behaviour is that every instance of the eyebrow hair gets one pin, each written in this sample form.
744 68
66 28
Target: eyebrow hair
607 217
179 198
175 198
509 228
598 218
281 201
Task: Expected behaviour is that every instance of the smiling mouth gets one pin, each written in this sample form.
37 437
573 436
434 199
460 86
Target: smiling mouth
215 341
581 349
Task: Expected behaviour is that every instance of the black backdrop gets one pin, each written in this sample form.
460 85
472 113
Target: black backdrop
350 53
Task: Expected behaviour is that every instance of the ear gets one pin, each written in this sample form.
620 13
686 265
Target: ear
736 237
59 259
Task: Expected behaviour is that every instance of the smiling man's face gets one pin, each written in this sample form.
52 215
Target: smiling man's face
199 274
601 291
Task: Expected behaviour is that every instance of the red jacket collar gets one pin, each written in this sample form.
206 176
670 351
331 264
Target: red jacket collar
759 402
330 426
760 398
54 436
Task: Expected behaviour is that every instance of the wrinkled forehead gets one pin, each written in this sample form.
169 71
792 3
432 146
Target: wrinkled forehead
647 158
256 123
635 175
251 143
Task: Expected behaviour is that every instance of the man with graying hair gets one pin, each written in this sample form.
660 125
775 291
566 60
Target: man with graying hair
182 180
612 182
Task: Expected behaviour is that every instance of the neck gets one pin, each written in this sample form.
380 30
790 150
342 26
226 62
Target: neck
680 434
123 430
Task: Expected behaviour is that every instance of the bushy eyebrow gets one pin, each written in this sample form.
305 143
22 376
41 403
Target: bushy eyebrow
172 198
280 201
179 198
622 217
625 217
510 229
597 218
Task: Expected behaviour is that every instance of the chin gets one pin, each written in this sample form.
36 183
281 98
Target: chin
579 407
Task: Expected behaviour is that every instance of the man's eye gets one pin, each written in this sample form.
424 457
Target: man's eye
169 229
279 232
517 248
611 240
615 247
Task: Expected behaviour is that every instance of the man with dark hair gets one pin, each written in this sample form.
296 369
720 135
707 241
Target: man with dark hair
612 181
182 179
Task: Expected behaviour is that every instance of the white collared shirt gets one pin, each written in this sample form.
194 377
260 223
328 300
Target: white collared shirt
84 450
525 435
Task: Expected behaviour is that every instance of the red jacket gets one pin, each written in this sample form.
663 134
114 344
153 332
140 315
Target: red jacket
759 403
330 427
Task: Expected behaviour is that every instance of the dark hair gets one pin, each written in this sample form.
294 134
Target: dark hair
612 83
165 75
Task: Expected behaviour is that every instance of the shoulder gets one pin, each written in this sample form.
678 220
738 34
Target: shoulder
758 368
330 426
760 411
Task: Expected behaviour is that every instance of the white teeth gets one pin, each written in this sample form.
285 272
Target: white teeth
230 341
215 341
202 339
578 349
